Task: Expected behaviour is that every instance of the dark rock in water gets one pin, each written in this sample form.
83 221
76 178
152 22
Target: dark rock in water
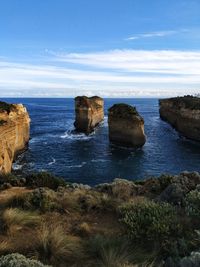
126 126
89 113
183 113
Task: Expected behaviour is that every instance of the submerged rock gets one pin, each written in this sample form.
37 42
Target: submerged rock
89 113
183 113
126 126
14 133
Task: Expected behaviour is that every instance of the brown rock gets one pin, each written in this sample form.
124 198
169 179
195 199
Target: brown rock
126 126
183 113
14 133
89 113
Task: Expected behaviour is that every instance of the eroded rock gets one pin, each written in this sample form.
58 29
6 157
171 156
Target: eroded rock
14 133
126 126
89 113
183 113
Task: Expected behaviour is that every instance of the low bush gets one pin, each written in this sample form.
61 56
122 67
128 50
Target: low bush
193 203
44 179
150 221
39 199
18 260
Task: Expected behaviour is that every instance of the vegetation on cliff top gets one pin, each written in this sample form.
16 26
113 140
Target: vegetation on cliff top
6 107
119 224
188 102
123 111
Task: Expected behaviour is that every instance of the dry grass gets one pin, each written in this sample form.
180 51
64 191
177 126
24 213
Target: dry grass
15 219
54 246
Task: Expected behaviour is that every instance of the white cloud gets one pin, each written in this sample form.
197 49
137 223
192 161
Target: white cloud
109 73
150 35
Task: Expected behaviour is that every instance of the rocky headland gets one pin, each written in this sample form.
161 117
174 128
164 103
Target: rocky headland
126 126
14 133
89 113
183 113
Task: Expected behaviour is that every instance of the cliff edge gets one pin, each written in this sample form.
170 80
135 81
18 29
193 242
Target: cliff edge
183 113
14 133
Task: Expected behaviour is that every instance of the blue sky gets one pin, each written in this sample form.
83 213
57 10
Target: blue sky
115 48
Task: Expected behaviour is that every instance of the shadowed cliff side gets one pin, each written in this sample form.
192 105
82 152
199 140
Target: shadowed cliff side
14 133
183 113
89 113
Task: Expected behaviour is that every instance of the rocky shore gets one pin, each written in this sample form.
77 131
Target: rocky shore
14 133
89 112
183 113
126 126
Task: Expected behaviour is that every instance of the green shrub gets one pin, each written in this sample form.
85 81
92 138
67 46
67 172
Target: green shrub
18 260
39 199
193 203
150 221
44 179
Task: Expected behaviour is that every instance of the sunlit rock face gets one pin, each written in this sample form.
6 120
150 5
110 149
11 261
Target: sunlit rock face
126 126
14 133
183 113
89 113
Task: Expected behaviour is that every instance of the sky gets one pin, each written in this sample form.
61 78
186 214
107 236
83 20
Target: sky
111 48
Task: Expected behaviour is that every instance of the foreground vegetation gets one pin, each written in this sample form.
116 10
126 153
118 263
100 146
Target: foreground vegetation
48 222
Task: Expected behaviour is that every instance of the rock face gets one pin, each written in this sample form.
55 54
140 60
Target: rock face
14 133
89 113
183 113
126 126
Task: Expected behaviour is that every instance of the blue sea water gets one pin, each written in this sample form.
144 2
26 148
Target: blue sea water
92 159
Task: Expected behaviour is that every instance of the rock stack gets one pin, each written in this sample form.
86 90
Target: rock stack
126 126
14 133
89 113
183 113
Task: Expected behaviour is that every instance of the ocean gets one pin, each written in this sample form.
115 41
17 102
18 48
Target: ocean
93 159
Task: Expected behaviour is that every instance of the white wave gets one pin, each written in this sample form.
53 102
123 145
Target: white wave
77 166
17 166
76 136
99 160
52 162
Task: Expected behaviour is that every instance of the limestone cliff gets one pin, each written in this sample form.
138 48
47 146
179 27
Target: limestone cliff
126 126
183 113
14 133
89 113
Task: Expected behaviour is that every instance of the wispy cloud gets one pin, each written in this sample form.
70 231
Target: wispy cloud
154 34
109 73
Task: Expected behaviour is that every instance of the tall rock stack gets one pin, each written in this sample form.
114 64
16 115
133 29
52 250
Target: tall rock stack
126 126
183 113
14 133
89 113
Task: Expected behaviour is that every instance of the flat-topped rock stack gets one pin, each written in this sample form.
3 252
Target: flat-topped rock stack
126 126
89 113
183 113
14 133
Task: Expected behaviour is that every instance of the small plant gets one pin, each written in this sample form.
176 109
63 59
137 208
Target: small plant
109 252
18 260
150 221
